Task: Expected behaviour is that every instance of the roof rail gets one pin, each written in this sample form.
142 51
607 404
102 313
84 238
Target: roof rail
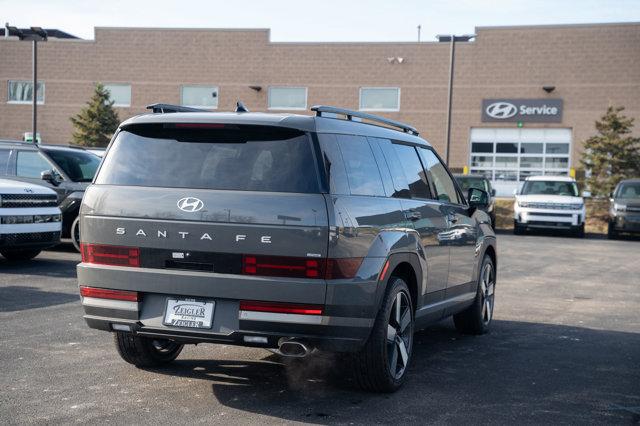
319 109
165 108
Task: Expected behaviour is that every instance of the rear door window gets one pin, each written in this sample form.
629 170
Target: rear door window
30 164
227 157
413 171
362 170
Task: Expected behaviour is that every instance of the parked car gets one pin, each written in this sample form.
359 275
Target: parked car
287 232
30 219
65 169
480 182
551 202
624 210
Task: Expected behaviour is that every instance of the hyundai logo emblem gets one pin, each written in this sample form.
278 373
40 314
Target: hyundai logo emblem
190 204
501 110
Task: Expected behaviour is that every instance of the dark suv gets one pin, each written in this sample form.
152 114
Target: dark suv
288 232
67 170
624 209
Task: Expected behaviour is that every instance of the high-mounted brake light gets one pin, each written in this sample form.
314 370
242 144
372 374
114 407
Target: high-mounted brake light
105 293
110 255
199 125
300 267
280 308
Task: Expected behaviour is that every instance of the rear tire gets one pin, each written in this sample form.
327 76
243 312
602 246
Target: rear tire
20 255
144 352
476 319
382 364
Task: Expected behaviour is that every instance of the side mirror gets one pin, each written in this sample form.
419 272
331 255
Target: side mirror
493 192
478 198
586 193
515 192
50 176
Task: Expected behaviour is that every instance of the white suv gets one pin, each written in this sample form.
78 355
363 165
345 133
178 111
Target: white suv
549 202
30 219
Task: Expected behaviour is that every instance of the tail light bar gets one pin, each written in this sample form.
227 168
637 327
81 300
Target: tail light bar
280 308
105 293
300 267
110 255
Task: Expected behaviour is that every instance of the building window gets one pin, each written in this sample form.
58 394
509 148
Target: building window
120 94
21 92
199 96
287 98
379 98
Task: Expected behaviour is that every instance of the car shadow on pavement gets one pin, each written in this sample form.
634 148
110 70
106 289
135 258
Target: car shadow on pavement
20 298
58 268
519 372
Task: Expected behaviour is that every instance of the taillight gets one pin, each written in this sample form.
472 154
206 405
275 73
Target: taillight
280 308
110 255
105 293
300 267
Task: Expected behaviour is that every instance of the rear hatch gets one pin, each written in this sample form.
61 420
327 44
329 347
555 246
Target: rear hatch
211 210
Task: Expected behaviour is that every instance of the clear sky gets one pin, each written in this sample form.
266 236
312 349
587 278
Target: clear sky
317 20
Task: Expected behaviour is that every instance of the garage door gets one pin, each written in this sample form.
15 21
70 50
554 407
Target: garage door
508 156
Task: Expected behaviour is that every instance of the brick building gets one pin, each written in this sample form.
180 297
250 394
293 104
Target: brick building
504 123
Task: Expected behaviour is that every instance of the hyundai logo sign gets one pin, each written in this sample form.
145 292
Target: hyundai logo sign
501 110
190 204
522 110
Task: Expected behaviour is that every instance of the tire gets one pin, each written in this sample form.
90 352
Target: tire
476 319
579 231
75 233
144 352
517 229
382 364
20 255
612 234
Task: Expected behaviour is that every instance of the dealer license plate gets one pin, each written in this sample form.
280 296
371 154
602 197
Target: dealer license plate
189 313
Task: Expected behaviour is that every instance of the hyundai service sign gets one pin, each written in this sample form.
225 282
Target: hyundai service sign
525 110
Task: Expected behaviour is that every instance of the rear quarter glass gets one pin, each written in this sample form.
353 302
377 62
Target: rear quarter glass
232 157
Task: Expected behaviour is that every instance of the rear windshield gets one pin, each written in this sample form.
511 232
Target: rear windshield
247 158
543 187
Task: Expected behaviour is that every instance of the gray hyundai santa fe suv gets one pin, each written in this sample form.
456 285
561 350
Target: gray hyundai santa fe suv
288 232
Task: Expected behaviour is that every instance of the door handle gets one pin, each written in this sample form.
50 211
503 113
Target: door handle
412 215
452 218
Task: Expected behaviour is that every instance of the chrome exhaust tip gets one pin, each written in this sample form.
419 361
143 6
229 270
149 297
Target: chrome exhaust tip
293 348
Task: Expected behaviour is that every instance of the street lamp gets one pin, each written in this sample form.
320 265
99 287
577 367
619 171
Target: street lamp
35 35
451 39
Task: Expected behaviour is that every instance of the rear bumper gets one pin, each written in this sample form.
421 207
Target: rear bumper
342 327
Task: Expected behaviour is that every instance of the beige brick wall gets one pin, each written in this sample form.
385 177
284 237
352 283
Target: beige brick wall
591 66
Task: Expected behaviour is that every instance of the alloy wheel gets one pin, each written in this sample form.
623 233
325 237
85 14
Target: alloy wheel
487 287
399 335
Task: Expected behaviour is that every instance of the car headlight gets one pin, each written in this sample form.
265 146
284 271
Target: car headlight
578 206
620 207
523 204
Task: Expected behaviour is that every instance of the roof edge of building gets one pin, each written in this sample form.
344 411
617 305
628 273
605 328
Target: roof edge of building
557 26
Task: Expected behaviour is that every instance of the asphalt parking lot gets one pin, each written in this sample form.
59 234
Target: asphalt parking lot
565 348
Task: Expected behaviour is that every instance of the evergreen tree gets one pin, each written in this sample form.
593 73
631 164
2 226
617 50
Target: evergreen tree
613 154
96 123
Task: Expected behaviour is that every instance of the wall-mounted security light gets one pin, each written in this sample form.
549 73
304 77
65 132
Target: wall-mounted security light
549 88
256 88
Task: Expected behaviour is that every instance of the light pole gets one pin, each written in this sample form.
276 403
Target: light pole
452 53
35 35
